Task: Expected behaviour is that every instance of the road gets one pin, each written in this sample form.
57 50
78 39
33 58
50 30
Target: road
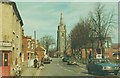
59 68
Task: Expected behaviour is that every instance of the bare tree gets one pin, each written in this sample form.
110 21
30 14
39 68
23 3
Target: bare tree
101 23
47 41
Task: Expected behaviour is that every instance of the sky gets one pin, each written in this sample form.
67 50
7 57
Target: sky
44 17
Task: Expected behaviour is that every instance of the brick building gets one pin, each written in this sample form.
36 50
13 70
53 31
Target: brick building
30 47
116 51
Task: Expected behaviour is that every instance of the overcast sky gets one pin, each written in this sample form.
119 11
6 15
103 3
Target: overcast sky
43 17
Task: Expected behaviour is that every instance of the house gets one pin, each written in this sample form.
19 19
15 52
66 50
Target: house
40 51
116 51
10 37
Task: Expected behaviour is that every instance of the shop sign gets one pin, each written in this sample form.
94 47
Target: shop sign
5 44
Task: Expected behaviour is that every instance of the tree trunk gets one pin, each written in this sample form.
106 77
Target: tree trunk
86 59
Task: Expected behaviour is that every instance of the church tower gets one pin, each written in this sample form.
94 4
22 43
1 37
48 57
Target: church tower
61 36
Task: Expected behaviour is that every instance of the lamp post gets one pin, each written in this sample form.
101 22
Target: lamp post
35 53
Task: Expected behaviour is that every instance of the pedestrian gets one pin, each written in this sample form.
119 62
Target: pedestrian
35 63
42 60
42 64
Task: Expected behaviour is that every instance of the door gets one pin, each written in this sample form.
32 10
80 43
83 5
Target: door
6 64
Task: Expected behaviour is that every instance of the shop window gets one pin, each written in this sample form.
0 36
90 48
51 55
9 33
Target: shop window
6 59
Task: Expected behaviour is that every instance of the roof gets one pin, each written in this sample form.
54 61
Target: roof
40 48
15 9
116 45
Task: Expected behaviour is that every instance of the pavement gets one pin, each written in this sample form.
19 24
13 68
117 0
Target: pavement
29 71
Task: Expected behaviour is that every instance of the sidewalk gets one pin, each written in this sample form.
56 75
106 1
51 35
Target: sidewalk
28 71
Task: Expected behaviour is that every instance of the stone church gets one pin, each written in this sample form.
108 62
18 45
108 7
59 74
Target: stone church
61 36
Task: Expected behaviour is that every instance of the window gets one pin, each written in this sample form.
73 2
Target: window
28 44
13 48
20 54
16 48
28 55
6 59
32 46
14 32
17 36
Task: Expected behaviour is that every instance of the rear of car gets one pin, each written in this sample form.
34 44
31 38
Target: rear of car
47 61
110 68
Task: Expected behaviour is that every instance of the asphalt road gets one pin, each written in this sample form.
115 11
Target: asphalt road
59 68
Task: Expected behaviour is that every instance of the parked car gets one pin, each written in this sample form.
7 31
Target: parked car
102 66
71 62
47 60
65 59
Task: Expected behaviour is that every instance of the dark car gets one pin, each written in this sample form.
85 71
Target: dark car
65 59
102 66
47 60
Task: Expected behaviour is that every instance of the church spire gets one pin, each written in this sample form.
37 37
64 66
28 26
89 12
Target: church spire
61 19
